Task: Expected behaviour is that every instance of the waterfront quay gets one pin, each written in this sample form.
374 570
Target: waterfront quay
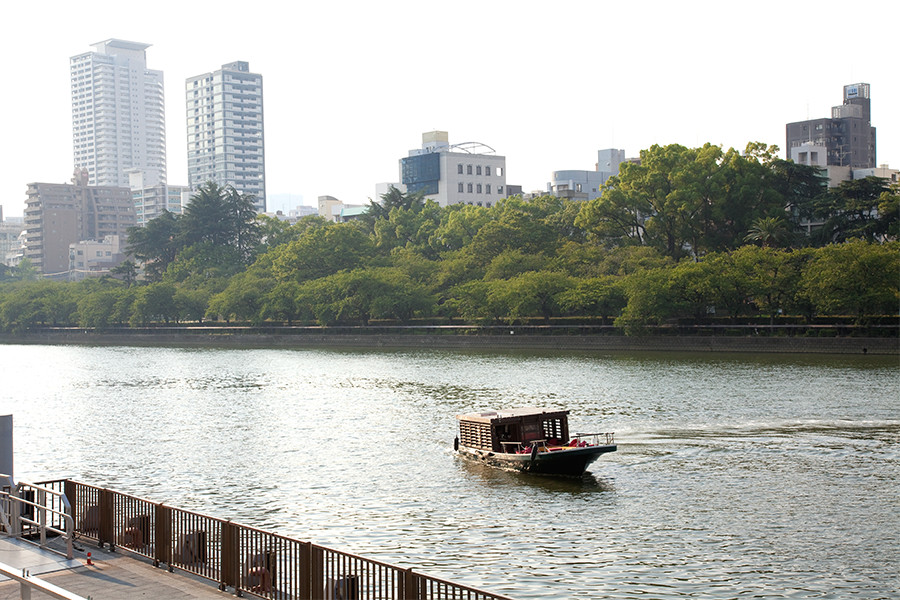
229 556
111 576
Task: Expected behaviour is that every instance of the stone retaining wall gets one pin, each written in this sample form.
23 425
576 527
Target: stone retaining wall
249 339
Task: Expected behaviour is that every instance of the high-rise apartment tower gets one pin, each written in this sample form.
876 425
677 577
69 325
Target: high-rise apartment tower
225 130
118 114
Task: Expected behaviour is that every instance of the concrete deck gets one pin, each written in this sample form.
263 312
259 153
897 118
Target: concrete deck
113 576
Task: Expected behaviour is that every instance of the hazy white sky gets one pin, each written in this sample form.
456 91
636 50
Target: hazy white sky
350 86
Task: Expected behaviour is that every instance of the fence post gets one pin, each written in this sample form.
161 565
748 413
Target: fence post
70 489
409 590
107 532
312 572
231 556
162 533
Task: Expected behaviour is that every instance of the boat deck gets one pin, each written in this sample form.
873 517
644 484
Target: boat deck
113 576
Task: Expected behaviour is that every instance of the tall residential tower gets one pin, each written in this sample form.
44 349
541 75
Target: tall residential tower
225 130
118 114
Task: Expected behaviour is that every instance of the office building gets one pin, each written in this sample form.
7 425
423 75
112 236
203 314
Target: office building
587 185
60 214
225 130
118 114
468 173
847 137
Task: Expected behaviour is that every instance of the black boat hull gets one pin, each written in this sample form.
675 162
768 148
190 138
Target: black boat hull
570 462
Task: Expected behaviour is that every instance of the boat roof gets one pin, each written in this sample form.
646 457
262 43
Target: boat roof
489 416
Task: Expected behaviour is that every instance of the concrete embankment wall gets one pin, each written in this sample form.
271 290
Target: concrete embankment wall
605 343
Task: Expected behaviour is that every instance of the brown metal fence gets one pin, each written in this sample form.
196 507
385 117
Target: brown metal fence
244 558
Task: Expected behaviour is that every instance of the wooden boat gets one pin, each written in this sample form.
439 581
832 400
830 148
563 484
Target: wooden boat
529 439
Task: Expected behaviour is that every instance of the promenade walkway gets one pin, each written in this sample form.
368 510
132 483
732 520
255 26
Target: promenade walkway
113 576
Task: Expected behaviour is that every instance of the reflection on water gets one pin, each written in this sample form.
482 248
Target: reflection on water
750 476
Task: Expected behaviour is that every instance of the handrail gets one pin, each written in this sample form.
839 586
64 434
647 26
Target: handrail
14 526
244 558
28 582
608 435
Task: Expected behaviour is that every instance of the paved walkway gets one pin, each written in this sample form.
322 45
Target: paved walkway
113 576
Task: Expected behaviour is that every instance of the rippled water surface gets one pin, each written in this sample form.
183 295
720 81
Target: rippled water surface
736 476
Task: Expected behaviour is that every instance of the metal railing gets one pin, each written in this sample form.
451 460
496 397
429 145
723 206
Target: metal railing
26 507
244 558
28 582
597 439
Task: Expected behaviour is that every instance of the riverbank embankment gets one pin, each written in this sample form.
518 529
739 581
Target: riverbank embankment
253 338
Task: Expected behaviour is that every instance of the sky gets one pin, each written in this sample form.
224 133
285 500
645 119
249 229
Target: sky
350 86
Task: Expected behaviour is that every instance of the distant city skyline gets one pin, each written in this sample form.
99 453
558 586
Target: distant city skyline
351 87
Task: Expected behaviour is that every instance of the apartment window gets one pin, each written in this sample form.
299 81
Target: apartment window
487 171
469 188
500 189
460 187
468 169
478 187
478 170
487 188
459 169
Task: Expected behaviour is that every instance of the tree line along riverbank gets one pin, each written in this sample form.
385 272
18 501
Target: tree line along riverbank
662 245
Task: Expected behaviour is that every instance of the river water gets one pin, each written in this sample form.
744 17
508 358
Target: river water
737 476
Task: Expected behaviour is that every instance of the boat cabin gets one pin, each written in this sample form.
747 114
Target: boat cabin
513 430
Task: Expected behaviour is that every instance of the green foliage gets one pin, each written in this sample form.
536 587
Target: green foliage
322 251
664 244
855 278
154 303
852 210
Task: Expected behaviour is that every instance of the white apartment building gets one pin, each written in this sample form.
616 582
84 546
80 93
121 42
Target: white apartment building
151 201
468 173
118 114
225 130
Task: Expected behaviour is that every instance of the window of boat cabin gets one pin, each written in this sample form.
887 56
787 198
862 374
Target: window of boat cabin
553 430
531 431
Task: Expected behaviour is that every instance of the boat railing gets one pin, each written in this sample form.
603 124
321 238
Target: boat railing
244 558
597 439
30 510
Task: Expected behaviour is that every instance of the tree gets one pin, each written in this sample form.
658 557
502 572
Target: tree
651 300
322 251
392 199
223 217
854 278
127 271
768 231
595 296
851 210
530 294
155 245
154 302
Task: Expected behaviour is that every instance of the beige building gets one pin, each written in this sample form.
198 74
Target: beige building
60 214
92 258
